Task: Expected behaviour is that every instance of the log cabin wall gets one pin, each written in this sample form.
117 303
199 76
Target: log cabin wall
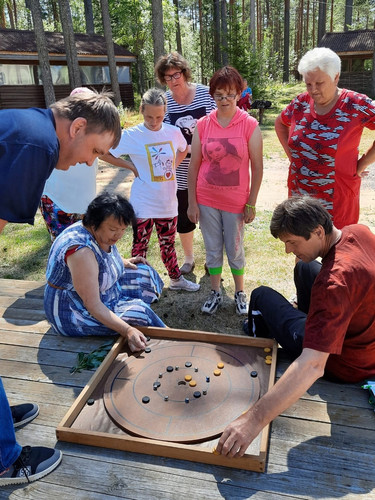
32 96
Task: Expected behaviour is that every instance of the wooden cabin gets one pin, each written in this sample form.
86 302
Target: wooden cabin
356 50
20 80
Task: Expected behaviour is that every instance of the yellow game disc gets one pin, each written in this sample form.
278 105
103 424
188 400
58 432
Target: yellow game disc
192 383
267 349
188 378
217 373
220 365
268 357
268 361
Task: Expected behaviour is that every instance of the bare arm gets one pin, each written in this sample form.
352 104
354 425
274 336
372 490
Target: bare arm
120 162
282 132
297 379
133 261
256 161
181 155
85 273
366 159
194 166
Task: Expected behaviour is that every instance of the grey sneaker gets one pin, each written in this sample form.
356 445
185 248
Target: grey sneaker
184 284
242 307
213 301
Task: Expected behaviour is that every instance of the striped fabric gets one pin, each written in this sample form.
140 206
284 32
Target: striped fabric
185 117
126 292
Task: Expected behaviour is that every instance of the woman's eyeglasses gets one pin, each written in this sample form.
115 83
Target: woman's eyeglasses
229 97
175 76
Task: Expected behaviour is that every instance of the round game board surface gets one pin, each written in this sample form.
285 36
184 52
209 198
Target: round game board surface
180 391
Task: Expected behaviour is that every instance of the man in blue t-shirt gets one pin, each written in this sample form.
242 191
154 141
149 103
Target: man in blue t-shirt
33 142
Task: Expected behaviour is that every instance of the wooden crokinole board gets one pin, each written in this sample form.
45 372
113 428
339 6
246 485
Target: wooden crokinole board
88 422
149 395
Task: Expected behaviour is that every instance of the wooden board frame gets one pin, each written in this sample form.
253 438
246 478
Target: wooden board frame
192 452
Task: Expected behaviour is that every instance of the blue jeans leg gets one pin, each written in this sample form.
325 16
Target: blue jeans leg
285 324
10 450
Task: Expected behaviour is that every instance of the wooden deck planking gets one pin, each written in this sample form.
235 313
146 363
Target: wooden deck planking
321 447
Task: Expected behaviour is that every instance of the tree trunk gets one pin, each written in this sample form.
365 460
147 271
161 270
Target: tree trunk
157 28
70 45
314 22
89 17
224 33
217 37
110 51
286 40
348 14
259 22
55 13
141 78
253 43
322 16
201 38
300 34
10 14
15 13
306 43
41 44
178 29
2 18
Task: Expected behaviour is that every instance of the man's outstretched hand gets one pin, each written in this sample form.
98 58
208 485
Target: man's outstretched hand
237 436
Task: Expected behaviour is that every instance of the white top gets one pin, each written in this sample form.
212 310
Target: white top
153 193
72 190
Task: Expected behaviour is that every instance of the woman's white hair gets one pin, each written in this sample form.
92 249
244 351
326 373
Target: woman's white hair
320 58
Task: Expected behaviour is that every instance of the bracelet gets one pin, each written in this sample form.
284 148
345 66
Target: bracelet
250 206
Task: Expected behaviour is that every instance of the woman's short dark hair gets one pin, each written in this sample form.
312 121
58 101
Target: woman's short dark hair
226 78
299 216
172 60
105 205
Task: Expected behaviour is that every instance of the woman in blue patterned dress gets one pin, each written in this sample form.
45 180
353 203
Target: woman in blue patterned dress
91 289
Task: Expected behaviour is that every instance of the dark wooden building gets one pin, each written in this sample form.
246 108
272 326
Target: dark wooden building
356 50
20 81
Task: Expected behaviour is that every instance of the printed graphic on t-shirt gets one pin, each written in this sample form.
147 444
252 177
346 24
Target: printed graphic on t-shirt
318 144
186 121
161 160
222 167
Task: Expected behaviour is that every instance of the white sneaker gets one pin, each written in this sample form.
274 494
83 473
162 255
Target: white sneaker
213 301
184 284
242 307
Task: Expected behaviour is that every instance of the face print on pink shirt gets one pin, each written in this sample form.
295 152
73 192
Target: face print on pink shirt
224 162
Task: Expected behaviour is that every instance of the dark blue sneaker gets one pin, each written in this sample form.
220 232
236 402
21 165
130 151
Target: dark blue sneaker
24 413
34 463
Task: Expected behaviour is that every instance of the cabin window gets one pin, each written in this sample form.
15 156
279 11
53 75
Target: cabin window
16 74
24 74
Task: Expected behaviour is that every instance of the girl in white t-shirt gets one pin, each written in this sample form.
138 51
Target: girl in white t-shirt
156 149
